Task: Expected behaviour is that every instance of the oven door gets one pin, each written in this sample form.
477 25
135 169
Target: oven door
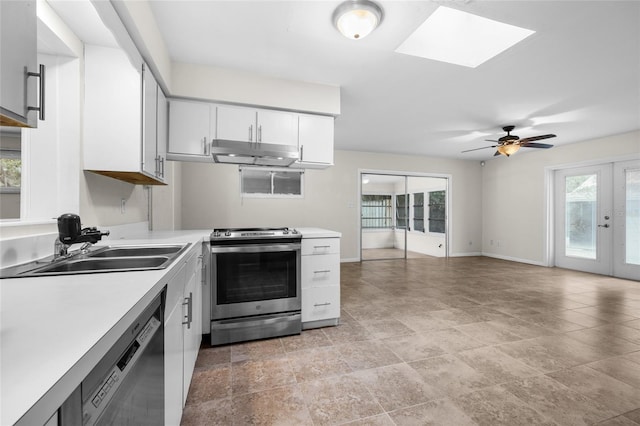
254 279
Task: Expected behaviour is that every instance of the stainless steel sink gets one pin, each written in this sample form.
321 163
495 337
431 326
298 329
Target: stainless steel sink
103 265
142 250
116 258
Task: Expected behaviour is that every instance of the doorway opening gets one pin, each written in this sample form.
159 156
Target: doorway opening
403 216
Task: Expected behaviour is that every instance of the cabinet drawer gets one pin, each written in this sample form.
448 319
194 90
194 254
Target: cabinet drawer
320 303
312 246
320 271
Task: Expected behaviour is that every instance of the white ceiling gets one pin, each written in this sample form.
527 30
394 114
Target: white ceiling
578 76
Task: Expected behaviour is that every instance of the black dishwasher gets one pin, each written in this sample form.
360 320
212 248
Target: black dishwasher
127 386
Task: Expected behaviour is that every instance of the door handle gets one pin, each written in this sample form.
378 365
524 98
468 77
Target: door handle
606 225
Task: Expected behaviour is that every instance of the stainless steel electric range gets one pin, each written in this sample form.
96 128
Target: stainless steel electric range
255 284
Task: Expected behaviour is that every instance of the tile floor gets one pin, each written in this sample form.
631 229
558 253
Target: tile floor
459 341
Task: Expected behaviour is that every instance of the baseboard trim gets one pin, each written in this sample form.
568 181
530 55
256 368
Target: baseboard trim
514 259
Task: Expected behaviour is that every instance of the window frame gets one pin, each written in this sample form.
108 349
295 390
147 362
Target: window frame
390 218
442 220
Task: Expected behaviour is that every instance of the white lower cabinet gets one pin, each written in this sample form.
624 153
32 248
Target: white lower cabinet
320 282
182 334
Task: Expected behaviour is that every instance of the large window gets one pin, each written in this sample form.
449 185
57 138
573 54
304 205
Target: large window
401 211
437 214
418 212
377 212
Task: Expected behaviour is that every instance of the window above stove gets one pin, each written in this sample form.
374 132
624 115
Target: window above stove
263 182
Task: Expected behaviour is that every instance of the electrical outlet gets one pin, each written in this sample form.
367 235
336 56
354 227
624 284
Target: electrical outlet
123 206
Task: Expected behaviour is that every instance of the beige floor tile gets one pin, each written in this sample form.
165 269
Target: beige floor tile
556 401
450 375
414 347
497 407
254 376
634 356
317 363
380 329
488 333
216 412
551 353
281 406
620 368
618 421
436 412
380 420
452 340
367 354
210 383
633 415
617 396
396 386
469 327
308 339
211 356
605 341
497 366
258 349
338 400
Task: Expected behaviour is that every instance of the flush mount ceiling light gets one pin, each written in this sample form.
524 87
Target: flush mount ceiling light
355 19
461 38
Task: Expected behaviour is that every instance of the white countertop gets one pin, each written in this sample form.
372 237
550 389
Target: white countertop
53 330
318 233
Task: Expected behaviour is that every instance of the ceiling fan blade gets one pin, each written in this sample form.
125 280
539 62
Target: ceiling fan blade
536 138
476 149
491 140
536 145
497 153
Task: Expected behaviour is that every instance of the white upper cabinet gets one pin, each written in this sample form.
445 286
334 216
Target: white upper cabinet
191 130
114 142
18 39
256 125
150 163
315 141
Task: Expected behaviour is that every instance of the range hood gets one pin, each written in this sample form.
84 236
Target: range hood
257 154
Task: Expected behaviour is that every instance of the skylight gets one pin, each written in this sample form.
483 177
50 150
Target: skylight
461 38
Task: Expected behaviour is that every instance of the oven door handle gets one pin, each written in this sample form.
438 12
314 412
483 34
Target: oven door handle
255 248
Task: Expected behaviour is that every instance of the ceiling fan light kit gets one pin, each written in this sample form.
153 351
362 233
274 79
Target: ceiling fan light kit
510 144
355 19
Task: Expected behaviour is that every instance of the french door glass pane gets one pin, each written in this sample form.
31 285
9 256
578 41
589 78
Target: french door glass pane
580 217
632 225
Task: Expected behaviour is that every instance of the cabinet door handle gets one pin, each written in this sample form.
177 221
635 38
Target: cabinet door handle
326 271
162 167
319 247
204 145
315 305
251 133
301 152
260 133
157 165
189 317
41 91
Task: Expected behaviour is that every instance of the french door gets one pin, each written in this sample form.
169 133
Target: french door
598 219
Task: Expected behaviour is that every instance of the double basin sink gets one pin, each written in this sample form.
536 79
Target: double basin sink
118 258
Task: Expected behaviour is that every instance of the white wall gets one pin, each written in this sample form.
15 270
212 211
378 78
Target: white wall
211 198
513 207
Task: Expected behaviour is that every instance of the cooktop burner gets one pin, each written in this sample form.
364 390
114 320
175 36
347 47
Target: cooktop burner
254 233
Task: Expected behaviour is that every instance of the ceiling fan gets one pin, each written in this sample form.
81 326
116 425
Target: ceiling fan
510 144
